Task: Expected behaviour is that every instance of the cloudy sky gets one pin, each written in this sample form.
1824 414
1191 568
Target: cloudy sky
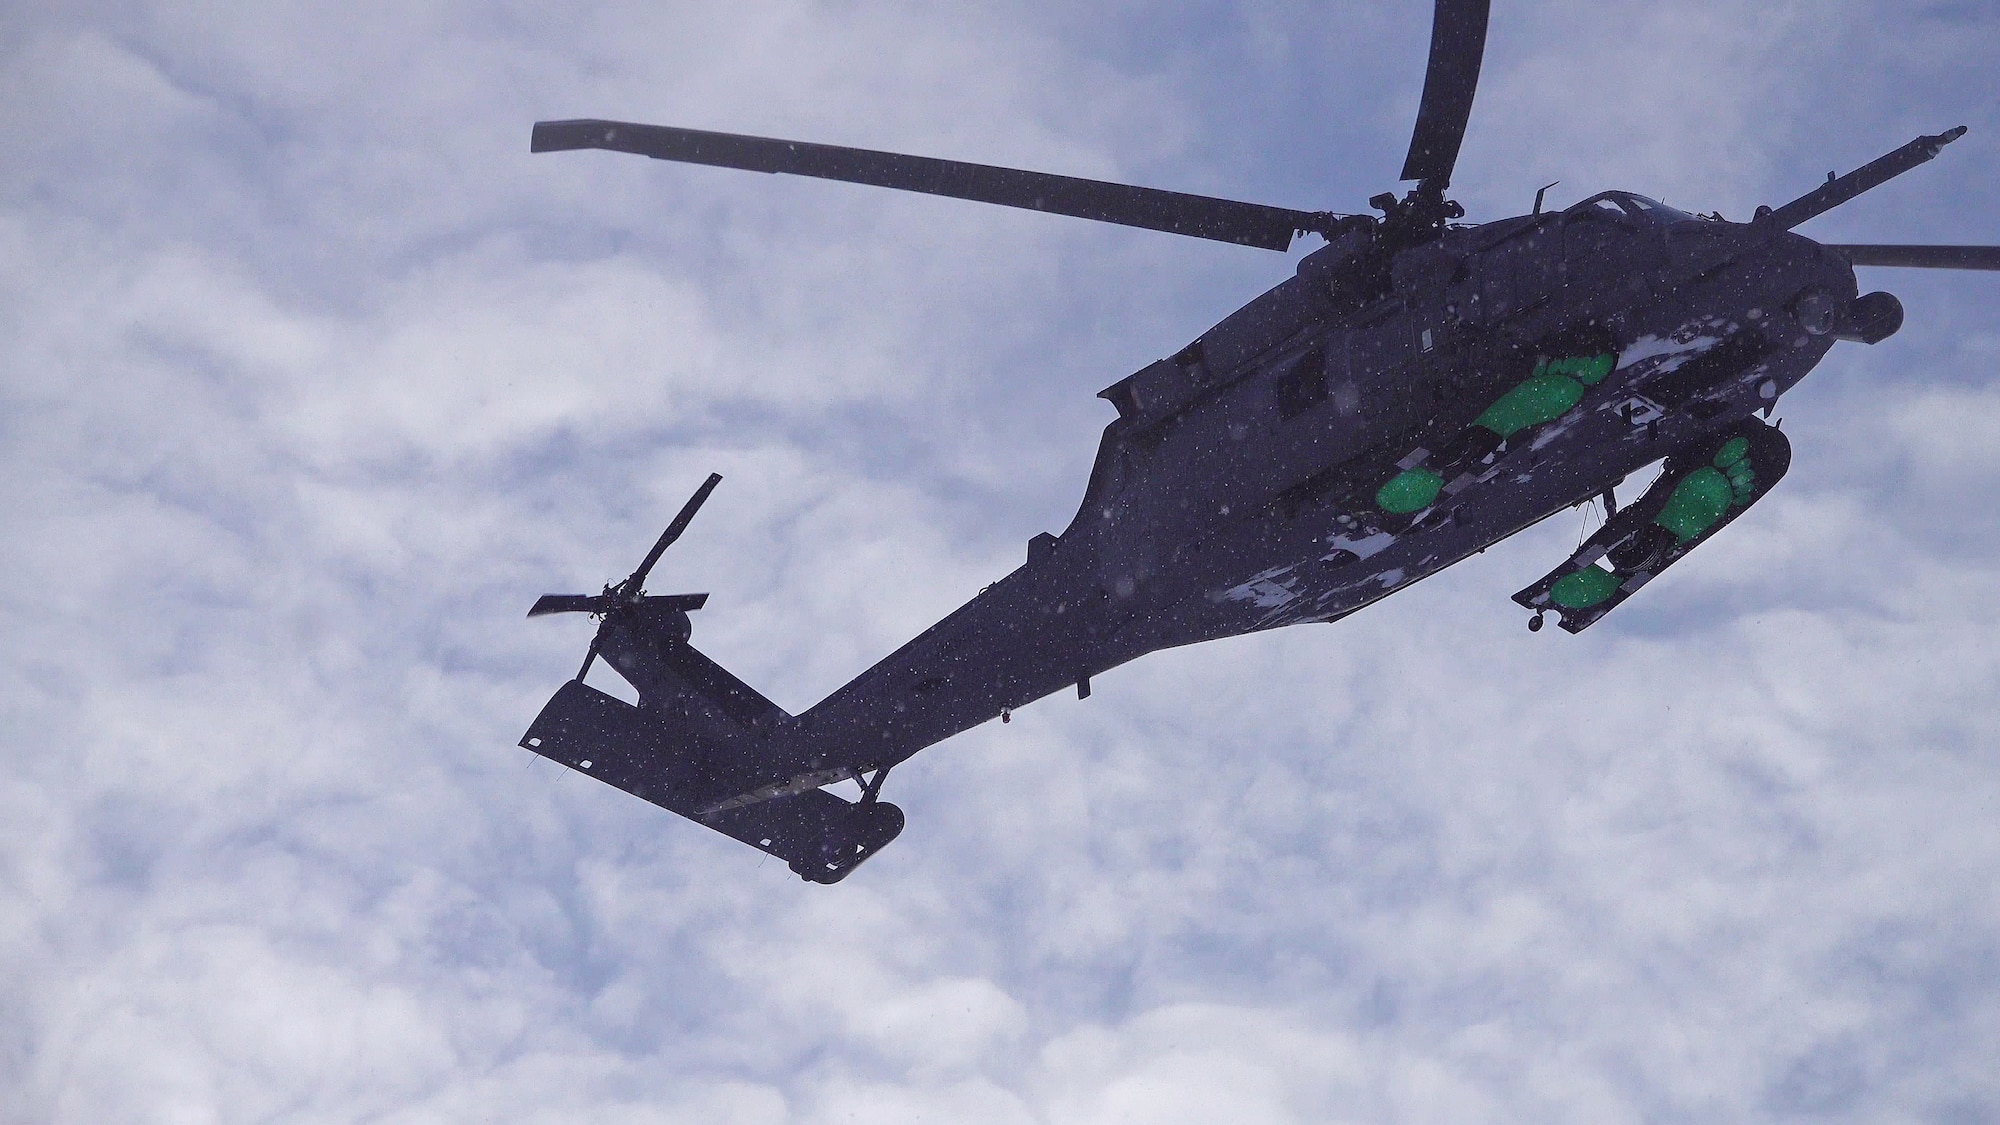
312 378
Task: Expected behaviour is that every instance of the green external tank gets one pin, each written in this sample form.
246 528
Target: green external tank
1411 490
1584 588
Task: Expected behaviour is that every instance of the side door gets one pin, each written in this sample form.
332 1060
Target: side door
1520 273
1608 255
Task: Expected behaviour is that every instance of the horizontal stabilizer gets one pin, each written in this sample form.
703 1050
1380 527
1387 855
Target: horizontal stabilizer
820 835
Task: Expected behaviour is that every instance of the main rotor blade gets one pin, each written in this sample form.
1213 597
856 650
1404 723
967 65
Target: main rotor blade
673 531
1458 46
1198 216
569 603
1924 257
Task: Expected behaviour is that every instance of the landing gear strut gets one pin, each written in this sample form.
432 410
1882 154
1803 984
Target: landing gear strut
871 790
1535 622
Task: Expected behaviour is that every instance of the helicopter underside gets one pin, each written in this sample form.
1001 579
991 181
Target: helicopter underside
1689 366
1333 558
1328 558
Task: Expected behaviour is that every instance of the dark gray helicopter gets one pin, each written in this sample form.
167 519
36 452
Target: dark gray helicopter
1420 390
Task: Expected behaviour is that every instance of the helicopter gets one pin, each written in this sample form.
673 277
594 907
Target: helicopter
1420 389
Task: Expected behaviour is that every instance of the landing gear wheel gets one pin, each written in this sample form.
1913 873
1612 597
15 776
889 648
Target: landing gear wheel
1535 622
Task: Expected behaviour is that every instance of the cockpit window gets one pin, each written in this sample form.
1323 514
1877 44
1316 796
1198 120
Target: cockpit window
1655 210
1624 203
1601 207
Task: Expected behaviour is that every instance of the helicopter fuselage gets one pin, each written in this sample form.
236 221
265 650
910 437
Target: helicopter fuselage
1417 392
1290 443
1237 490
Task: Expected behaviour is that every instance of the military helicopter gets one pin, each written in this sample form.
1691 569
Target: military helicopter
1420 389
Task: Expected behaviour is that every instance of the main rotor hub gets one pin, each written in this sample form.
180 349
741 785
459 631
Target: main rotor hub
1418 216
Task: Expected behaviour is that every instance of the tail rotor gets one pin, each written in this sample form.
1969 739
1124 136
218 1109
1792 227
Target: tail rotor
629 597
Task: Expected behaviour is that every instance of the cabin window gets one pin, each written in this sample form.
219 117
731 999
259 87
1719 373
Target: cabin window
1302 386
1346 394
1496 285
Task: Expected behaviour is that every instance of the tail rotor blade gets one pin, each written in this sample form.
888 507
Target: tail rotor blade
569 603
673 531
1458 46
686 603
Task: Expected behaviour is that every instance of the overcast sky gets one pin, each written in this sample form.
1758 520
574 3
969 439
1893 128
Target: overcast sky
312 379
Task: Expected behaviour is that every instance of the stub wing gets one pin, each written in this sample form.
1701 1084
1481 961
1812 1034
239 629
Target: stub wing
1701 490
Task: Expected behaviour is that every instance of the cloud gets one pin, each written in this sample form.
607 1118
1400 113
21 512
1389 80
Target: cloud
311 379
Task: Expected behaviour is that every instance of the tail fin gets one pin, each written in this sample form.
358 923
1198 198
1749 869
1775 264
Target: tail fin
696 676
